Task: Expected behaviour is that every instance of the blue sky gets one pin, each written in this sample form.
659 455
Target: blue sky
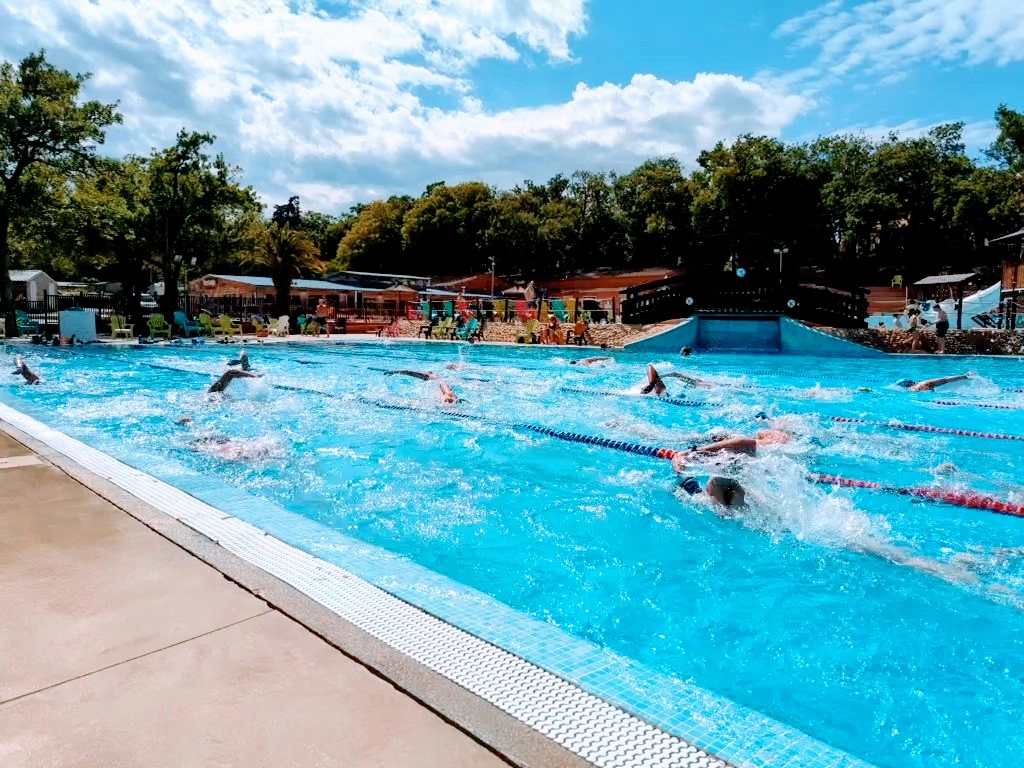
342 101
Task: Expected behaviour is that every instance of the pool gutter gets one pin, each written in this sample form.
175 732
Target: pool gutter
525 714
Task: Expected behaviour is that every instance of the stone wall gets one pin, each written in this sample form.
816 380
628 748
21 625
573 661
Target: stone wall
609 335
973 342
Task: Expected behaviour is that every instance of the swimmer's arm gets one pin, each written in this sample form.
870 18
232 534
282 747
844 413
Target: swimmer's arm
415 374
688 379
930 384
900 556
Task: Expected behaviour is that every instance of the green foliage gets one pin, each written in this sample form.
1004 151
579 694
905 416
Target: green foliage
285 253
846 204
42 125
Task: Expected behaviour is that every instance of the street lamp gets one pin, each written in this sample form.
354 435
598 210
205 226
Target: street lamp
178 259
780 252
492 275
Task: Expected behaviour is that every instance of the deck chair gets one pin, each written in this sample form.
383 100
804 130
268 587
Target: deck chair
119 326
282 328
205 324
897 282
469 330
443 330
188 327
158 326
227 327
25 323
309 327
531 332
558 310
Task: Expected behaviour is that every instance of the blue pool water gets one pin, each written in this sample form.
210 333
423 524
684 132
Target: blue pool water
888 627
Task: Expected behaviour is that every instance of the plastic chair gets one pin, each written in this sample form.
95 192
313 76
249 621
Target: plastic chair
158 326
205 324
897 282
558 310
188 327
282 328
227 327
25 323
119 326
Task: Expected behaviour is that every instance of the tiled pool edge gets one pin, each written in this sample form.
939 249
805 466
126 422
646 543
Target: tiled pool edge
580 721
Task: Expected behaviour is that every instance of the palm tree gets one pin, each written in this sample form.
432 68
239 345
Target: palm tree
286 253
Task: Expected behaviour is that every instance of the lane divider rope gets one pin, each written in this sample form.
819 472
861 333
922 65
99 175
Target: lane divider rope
927 428
979 405
968 499
609 393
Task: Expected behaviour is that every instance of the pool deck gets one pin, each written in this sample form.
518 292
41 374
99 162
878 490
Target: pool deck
119 648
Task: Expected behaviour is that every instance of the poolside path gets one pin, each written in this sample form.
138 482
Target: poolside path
118 648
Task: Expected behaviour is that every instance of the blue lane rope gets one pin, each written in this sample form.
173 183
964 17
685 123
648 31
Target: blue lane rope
608 393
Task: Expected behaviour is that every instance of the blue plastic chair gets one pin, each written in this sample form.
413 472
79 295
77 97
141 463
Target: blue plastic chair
188 327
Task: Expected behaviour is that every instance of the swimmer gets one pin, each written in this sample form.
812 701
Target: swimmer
20 367
686 351
447 393
929 384
229 448
243 360
654 383
591 361
725 491
230 375
733 445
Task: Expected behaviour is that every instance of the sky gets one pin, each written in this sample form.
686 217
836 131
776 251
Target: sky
344 101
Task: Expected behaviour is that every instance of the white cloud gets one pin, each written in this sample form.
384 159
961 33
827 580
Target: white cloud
887 36
338 108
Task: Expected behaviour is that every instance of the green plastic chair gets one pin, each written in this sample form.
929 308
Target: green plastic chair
205 324
25 323
227 327
443 329
532 329
158 326
119 326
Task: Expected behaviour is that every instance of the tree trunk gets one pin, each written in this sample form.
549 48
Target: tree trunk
6 291
283 290
169 303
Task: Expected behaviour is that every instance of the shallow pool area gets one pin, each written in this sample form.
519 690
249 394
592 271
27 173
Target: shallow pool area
886 626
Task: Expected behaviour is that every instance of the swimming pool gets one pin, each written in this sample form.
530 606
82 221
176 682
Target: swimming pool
891 656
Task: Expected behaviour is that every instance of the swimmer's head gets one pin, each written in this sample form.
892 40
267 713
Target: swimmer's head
574 362
905 383
686 351
761 416
691 485
727 492
184 421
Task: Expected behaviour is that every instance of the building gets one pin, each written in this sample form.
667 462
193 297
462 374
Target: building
262 288
32 284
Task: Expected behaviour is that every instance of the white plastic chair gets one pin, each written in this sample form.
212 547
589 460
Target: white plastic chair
282 326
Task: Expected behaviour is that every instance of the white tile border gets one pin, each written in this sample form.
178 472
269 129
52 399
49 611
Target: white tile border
583 723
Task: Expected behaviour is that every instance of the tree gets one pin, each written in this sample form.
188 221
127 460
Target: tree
196 208
1008 148
42 123
654 200
373 243
448 226
286 253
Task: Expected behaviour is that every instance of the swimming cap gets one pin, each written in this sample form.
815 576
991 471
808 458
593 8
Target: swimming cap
905 383
691 485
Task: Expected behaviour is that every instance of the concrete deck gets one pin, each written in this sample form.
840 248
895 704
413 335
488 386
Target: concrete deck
119 648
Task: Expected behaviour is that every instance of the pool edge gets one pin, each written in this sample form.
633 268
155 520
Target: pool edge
508 736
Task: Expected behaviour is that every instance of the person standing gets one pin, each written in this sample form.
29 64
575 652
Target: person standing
941 328
914 316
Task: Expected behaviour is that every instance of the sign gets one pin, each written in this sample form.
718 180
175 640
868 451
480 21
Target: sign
209 282
80 323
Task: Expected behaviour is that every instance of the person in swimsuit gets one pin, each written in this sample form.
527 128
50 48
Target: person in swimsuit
656 384
591 361
447 393
941 329
243 360
915 318
929 384
230 375
21 367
